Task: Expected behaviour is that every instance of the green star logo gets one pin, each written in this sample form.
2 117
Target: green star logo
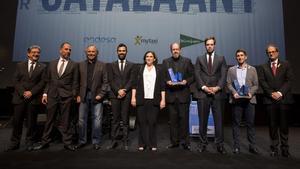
138 40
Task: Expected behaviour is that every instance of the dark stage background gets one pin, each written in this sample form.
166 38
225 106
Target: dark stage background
8 20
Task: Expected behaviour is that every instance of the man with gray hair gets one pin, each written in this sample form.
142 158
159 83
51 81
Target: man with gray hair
93 88
26 98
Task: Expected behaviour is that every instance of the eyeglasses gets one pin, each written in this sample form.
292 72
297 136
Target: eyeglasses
272 52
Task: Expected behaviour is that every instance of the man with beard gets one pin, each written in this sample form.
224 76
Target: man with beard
60 91
120 77
210 76
93 88
26 99
178 78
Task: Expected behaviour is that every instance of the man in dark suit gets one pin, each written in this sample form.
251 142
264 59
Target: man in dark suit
242 83
93 88
120 76
179 73
60 91
26 99
210 76
275 78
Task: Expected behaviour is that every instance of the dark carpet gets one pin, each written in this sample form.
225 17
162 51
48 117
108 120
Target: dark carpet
56 157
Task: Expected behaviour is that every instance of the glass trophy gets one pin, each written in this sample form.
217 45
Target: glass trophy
241 90
175 77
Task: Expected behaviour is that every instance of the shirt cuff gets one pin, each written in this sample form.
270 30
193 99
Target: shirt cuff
203 87
45 95
280 93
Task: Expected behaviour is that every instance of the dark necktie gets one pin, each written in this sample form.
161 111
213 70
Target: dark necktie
31 69
61 68
209 63
274 68
122 65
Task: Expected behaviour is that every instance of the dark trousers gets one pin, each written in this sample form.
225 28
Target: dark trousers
120 111
248 110
147 119
217 112
20 112
58 114
179 122
278 122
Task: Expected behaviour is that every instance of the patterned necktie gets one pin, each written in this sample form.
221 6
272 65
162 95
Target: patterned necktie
274 68
61 68
31 69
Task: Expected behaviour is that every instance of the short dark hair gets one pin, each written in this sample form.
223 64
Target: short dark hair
153 53
62 44
210 38
271 45
241 50
33 47
122 45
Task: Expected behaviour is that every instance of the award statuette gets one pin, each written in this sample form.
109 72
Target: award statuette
175 77
241 90
172 75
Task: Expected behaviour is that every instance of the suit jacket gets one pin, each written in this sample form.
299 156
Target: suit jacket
64 86
23 82
158 87
118 80
217 77
282 82
251 81
180 92
99 84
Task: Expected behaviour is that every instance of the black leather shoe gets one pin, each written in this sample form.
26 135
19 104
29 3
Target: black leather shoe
274 153
253 150
96 146
172 146
285 153
80 145
29 148
186 147
12 148
41 146
126 147
113 145
202 148
69 147
221 149
236 151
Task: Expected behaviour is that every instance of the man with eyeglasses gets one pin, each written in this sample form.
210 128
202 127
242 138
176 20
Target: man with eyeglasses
275 78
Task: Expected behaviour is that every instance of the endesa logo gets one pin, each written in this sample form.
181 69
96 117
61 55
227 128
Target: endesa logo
99 39
139 40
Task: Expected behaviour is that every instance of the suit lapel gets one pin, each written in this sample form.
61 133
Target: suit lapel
97 66
115 67
204 62
68 67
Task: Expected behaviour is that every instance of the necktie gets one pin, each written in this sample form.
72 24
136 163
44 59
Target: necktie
31 69
274 68
61 68
209 63
122 65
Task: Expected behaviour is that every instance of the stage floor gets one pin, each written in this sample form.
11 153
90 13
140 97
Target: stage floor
56 157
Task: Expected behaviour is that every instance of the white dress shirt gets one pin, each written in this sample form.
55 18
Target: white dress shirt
149 78
124 62
29 64
60 62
